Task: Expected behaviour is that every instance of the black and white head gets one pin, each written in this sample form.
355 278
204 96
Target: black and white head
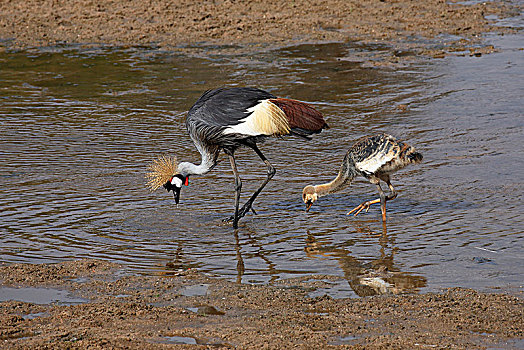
165 172
175 184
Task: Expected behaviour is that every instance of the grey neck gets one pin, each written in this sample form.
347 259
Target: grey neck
208 162
344 178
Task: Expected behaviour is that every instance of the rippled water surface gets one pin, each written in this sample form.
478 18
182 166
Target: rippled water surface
78 128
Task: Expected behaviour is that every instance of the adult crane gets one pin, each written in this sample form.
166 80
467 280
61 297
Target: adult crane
227 119
373 157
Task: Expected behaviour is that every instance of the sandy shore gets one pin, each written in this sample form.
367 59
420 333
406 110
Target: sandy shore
184 307
432 27
140 312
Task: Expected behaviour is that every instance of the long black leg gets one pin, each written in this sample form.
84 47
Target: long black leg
238 189
270 173
238 185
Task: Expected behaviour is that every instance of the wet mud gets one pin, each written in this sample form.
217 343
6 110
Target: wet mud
434 28
114 310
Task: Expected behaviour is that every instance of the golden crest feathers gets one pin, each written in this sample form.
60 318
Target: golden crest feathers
160 171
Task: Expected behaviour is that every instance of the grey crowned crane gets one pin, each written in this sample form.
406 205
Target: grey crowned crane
229 118
374 158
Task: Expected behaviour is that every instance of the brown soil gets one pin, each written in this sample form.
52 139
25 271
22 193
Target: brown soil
424 26
141 312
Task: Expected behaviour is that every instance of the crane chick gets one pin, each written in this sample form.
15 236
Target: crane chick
374 158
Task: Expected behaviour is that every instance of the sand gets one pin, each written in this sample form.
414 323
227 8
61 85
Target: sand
430 27
152 312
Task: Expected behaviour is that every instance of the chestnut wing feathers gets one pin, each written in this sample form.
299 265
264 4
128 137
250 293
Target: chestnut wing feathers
303 119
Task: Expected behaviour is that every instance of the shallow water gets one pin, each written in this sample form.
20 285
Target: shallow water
39 296
80 126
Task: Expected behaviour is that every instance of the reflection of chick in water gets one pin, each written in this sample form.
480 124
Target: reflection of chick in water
375 277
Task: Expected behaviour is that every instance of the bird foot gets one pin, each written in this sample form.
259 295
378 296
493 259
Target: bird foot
365 205
229 219
241 213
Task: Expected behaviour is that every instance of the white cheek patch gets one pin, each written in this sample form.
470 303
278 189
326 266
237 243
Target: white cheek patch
177 182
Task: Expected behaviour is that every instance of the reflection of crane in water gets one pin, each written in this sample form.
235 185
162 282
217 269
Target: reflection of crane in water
378 276
240 261
373 157
260 253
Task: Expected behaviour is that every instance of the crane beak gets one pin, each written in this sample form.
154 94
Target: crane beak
309 203
176 194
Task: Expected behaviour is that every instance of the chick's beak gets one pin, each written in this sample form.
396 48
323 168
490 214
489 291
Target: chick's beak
309 203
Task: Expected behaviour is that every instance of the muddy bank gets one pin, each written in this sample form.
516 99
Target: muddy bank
185 307
433 27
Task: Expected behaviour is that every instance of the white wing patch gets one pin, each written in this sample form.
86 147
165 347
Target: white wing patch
265 118
371 164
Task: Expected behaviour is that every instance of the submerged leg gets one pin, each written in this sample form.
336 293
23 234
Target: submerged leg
248 205
238 189
382 200
270 173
